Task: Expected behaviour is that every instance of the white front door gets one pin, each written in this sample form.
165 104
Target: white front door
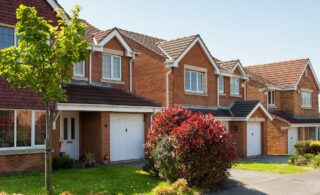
253 138
292 139
69 134
126 137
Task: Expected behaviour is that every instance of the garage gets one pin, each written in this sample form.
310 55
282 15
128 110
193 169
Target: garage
253 138
126 137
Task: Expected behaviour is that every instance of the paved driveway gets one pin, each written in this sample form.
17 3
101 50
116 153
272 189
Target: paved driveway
271 183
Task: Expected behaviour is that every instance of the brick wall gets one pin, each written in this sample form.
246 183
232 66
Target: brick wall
256 91
239 135
22 162
195 57
277 139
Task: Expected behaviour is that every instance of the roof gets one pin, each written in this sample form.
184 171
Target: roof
90 31
8 10
239 109
174 48
227 65
281 74
295 119
88 94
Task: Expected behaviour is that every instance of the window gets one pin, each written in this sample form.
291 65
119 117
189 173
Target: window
6 128
306 100
22 129
111 67
194 81
7 38
234 86
271 97
221 84
79 69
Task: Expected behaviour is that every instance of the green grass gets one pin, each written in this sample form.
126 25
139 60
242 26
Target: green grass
271 167
107 180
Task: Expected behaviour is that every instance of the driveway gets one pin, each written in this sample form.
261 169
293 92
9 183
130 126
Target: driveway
253 182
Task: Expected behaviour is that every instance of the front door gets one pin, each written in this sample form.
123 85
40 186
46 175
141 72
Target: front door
253 138
292 139
69 134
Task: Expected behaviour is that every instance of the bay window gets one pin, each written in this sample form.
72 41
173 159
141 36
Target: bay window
111 67
221 84
22 129
306 99
194 81
234 86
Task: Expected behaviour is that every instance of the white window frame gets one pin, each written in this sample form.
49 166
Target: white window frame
33 145
234 92
15 41
112 66
221 78
197 84
306 99
83 70
273 97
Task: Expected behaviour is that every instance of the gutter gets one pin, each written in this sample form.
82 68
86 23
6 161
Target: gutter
131 61
167 86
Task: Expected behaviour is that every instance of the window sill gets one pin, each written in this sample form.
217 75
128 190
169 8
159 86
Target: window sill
272 106
195 93
306 108
15 151
222 94
80 78
112 81
235 95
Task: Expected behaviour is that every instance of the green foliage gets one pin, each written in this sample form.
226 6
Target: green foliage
89 160
305 160
180 187
164 161
307 147
45 54
62 162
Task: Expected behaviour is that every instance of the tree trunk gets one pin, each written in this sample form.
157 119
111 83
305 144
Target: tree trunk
48 155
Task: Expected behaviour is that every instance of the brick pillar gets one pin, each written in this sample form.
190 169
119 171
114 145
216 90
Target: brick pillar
105 135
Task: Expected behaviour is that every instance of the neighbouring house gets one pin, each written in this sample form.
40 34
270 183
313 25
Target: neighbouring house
183 72
289 90
101 115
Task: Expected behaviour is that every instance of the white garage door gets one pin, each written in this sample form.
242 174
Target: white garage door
126 137
253 139
292 139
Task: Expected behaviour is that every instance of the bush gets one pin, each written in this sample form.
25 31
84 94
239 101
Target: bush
180 187
62 162
307 147
196 147
89 160
305 159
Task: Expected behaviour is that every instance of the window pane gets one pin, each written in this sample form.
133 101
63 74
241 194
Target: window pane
221 84
269 97
72 128
65 128
312 133
79 68
187 80
6 37
40 128
6 129
23 128
200 82
116 68
106 70
193 81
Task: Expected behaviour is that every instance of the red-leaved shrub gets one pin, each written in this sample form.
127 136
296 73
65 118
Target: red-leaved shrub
192 146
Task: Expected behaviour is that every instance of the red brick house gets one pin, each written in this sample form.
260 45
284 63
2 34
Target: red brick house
101 115
289 90
183 72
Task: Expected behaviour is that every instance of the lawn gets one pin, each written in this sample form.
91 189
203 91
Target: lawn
270 167
107 180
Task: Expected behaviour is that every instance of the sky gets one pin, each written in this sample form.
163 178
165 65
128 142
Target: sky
253 31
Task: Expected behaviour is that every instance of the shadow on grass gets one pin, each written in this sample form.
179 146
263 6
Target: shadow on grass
106 180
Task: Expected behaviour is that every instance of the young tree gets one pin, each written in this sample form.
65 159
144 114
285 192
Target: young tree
43 61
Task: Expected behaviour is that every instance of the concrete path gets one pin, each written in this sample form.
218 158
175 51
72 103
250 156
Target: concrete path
252 182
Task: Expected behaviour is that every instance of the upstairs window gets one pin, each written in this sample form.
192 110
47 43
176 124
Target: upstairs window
306 99
79 69
271 98
7 37
234 86
111 67
194 81
221 84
